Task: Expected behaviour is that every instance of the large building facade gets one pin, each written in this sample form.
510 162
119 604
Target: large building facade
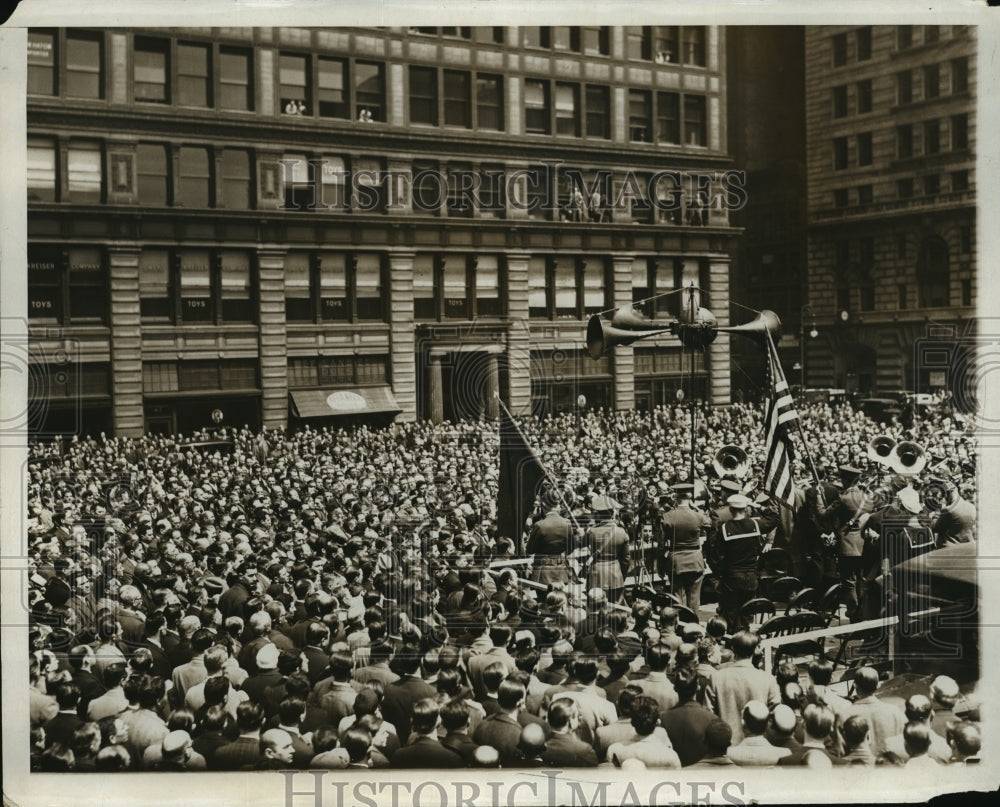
288 223
891 144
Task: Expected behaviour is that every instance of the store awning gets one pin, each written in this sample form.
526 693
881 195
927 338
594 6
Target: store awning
320 403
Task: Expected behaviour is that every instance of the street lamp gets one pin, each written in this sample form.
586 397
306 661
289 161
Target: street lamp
813 333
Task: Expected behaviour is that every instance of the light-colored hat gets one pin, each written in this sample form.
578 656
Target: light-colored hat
267 657
738 501
910 499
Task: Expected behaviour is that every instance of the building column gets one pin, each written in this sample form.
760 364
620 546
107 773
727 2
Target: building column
435 387
402 354
519 335
624 360
718 355
126 342
273 337
492 387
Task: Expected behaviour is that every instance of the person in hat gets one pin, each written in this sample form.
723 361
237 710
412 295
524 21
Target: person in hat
550 539
897 533
733 554
682 531
846 516
609 550
956 521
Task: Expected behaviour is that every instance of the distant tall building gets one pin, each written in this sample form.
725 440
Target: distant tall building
289 224
766 125
891 145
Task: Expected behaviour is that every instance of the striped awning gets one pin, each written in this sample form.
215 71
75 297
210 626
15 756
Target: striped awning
324 403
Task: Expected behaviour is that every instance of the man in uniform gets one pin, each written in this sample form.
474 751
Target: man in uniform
682 529
550 539
608 544
734 552
845 516
956 522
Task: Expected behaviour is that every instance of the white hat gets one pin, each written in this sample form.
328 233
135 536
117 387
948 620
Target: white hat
910 499
267 657
738 501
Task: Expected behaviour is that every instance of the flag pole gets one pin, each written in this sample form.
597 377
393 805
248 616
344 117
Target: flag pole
538 459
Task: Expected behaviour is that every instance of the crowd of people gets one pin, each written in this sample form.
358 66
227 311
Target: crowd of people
335 598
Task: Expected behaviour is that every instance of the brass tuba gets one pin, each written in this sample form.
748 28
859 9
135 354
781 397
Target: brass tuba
908 458
880 449
731 460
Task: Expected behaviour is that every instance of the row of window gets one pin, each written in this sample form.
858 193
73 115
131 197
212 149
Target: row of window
195 375
908 36
906 141
931 81
328 371
210 75
906 188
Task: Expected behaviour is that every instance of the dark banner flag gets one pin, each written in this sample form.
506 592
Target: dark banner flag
521 477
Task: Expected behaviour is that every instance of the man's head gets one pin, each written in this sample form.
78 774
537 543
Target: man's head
357 741
965 739
510 695
564 715
276 745
249 717
718 736
866 681
532 740
176 747
944 692
916 738
455 715
645 715
426 716
744 643
818 721
854 731
783 721
919 707
755 717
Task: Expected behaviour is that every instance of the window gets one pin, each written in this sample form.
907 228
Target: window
535 36
538 307
457 99
932 185
423 287
67 285
863 38
154 285
423 95
959 181
300 193
638 42
932 81
865 148
694 45
236 179
565 288
960 75
491 191
904 87
41 62
565 37
536 107
593 286
901 295
839 50
489 102
840 198
639 113
904 188
196 286
460 198
933 274
904 36
84 65
454 289
486 271
84 174
294 91
567 109
235 79
368 287
333 183
965 239
192 75
151 67
596 41
195 177
369 90
959 132
539 192
331 100
334 302
864 97
932 137
865 193
839 153
235 286
337 370
491 34
298 300
668 118
665 45
840 101
151 168
41 170
695 121
428 187
932 33
904 141
598 101
370 194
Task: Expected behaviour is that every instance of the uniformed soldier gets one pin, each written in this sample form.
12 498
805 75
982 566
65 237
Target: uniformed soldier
682 529
550 539
734 551
846 516
609 546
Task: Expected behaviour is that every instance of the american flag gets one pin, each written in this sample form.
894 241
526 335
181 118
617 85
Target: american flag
780 416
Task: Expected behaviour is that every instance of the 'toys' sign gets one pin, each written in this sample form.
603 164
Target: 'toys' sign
344 401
